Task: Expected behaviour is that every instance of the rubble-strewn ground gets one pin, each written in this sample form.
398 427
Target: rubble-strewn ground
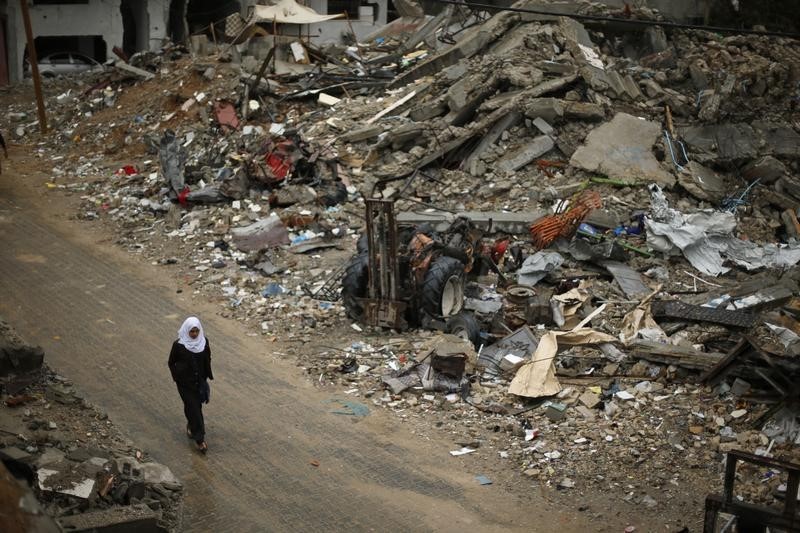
80 462
645 433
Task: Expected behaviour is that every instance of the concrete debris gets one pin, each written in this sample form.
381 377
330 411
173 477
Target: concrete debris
86 473
247 178
266 233
623 149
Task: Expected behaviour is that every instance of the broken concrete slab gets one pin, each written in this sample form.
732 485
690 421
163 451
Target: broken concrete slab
266 233
736 141
526 153
779 139
603 219
698 71
549 109
428 110
473 41
766 170
540 124
491 137
628 279
127 519
710 100
622 149
702 182
65 479
723 143
652 88
362 134
584 111
552 109
589 399
466 112
631 89
134 70
514 223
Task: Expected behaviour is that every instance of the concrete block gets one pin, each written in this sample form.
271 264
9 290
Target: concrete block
266 233
527 153
589 399
129 519
584 111
543 126
702 182
623 149
549 109
362 134
514 223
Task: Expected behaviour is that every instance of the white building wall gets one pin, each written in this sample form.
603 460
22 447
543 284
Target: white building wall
98 17
332 30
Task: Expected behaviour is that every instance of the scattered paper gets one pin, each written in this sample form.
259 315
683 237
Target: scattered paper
624 395
537 377
462 451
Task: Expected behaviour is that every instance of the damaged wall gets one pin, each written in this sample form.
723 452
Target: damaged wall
371 16
97 17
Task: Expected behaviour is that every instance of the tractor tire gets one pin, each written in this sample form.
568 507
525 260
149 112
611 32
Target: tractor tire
355 285
362 244
466 326
443 287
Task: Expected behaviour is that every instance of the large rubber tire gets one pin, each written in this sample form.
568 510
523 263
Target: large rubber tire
466 326
362 244
443 287
355 285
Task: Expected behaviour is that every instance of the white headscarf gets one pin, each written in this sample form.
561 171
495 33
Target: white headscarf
193 345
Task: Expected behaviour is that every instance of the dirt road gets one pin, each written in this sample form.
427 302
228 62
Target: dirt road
106 321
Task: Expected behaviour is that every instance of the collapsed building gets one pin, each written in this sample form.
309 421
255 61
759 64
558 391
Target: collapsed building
604 205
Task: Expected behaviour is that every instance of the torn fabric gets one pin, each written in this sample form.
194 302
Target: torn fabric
290 12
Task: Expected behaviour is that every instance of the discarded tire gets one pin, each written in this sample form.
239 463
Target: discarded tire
331 193
355 284
466 326
443 287
362 245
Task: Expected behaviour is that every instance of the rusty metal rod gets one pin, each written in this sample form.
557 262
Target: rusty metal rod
34 61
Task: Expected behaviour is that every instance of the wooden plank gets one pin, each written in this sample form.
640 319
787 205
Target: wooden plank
713 372
675 355
134 70
392 107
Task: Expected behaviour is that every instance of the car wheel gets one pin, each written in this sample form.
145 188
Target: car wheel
355 284
443 287
466 326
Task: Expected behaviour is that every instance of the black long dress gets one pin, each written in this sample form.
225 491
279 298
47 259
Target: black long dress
190 371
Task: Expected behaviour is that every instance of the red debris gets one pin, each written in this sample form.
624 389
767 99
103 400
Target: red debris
547 229
226 116
183 195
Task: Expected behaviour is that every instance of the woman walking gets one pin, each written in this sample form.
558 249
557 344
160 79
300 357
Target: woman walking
190 365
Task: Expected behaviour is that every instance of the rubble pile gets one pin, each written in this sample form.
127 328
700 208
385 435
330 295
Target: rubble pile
633 292
83 471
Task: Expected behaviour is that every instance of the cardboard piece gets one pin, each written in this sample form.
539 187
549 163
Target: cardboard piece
537 378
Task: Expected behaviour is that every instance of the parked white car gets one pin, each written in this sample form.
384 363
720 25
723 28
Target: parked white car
66 63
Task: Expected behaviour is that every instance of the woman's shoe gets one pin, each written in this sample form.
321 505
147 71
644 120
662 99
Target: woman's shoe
202 447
